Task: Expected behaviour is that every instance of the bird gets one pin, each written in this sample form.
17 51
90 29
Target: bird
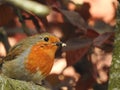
32 58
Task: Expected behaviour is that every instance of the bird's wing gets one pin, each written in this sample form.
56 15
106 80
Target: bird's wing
20 47
15 51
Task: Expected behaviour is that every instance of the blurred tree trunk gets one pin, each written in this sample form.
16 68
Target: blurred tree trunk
114 81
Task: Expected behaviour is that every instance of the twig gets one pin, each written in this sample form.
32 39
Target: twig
25 29
45 22
36 23
4 39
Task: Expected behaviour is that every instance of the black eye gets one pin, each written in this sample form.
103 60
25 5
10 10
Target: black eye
46 39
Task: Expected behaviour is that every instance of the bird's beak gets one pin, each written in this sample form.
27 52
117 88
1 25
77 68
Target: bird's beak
60 44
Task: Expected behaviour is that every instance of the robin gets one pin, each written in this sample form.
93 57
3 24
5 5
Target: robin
32 58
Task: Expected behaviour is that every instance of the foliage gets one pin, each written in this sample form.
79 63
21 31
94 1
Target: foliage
28 17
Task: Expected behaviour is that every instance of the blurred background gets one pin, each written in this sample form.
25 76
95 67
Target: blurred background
86 26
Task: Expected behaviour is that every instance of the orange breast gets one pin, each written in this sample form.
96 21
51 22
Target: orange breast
39 59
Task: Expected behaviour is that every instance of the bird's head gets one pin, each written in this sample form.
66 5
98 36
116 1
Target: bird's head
48 43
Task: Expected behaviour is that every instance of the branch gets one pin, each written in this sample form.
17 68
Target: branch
11 84
31 6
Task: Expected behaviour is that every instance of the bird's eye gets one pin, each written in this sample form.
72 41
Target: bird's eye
46 39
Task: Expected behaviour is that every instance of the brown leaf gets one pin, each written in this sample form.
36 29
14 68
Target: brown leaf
91 33
74 18
77 43
107 37
102 27
76 48
6 14
74 56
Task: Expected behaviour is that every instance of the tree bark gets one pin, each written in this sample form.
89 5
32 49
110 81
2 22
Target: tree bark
114 79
